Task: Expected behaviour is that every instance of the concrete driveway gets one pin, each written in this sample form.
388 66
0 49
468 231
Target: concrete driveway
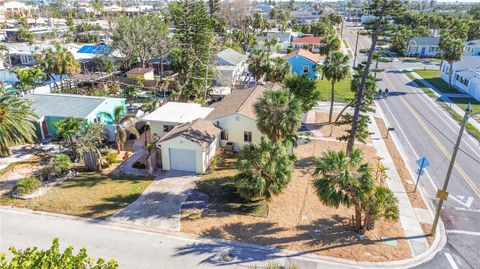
160 204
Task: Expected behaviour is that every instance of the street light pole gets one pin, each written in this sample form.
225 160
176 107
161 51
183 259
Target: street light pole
449 171
356 46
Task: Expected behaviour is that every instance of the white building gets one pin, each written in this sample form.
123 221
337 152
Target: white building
424 46
472 48
230 66
164 119
465 75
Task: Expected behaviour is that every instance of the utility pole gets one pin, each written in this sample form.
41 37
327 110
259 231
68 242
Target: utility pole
442 194
356 46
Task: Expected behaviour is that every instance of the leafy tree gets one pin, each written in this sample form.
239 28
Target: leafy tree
400 38
16 123
31 258
329 43
278 114
58 61
304 89
67 129
381 203
124 126
335 68
27 78
265 170
194 37
277 70
343 180
258 63
377 29
24 34
139 38
474 30
90 136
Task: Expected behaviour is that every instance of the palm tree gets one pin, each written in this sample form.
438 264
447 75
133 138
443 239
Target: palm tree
27 78
257 63
278 69
265 170
124 125
452 50
66 129
335 69
343 180
16 123
278 114
59 61
329 43
382 203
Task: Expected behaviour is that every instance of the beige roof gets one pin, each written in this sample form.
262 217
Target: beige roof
199 131
239 101
140 71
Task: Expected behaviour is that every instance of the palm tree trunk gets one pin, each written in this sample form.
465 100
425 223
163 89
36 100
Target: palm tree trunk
358 216
331 102
343 110
450 73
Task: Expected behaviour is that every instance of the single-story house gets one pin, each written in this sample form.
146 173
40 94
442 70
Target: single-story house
230 66
51 108
235 115
141 73
465 75
472 48
284 39
189 146
311 43
303 62
424 46
165 118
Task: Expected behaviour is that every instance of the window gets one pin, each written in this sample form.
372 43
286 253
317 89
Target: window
167 128
224 135
306 70
97 120
247 136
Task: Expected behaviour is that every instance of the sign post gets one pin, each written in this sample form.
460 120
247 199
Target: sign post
423 163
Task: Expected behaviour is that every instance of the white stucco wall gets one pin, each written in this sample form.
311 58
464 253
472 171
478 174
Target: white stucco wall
236 125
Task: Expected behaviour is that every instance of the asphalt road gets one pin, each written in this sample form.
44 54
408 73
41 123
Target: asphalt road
424 129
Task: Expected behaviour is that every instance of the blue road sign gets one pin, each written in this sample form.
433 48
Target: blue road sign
420 172
423 162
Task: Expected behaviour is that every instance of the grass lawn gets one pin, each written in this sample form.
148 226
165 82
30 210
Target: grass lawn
342 90
219 186
433 77
418 60
90 194
462 102
427 90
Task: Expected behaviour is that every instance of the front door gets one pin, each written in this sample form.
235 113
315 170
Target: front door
423 52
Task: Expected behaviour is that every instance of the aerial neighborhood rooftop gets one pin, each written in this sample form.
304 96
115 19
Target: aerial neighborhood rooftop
239 134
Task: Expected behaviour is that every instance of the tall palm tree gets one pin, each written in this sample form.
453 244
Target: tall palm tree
59 61
329 43
124 125
382 203
452 50
258 63
27 78
16 123
278 69
342 180
278 114
335 68
265 170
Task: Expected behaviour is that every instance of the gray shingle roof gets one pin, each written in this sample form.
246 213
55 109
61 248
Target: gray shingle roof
199 131
426 40
64 105
230 57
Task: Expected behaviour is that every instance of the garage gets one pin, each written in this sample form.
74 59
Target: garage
182 159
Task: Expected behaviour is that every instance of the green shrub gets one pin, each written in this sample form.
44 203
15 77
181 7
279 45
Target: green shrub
27 185
289 49
213 164
59 166
111 157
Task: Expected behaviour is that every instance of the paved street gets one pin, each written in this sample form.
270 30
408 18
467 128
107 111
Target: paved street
424 129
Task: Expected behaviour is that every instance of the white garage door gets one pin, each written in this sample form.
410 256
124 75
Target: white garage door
183 160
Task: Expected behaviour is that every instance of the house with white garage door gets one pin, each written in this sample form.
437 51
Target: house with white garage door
189 146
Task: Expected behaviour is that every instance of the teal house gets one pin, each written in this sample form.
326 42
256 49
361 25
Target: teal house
51 108
303 62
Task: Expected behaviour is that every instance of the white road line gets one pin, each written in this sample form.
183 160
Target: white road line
411 147
463 232
451 261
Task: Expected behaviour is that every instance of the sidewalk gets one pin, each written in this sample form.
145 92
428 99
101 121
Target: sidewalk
445 97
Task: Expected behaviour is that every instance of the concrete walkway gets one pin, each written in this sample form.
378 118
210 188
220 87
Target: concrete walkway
408 217
160 204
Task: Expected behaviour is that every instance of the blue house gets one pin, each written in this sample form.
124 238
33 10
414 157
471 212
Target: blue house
51 108
303 62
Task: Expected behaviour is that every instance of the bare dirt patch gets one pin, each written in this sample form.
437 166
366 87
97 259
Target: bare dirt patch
415 197
325 129
297 220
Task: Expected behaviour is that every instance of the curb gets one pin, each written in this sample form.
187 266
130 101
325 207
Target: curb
437 245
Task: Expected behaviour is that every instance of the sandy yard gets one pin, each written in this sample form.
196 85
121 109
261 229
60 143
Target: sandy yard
297 220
